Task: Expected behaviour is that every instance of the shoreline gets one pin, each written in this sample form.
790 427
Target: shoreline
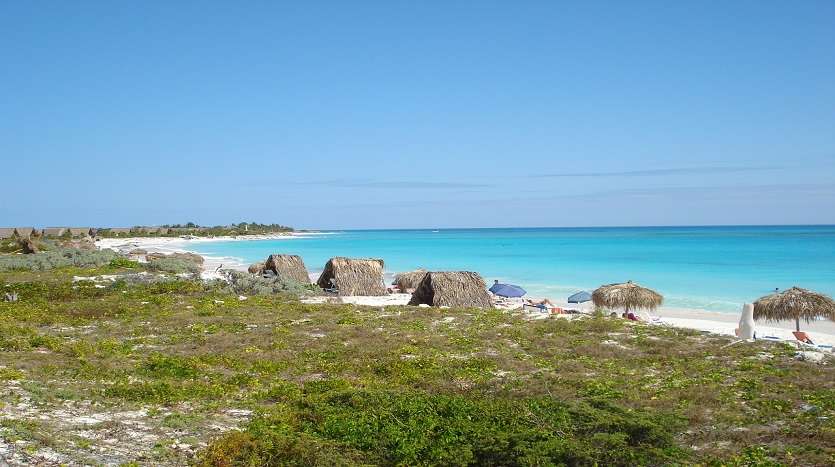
169 245
722 323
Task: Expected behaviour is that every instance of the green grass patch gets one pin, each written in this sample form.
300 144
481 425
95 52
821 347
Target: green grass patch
349 385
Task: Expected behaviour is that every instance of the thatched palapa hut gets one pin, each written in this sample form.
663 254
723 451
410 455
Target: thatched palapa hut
351 276
455 289
794 304
408 281
288 267
628 295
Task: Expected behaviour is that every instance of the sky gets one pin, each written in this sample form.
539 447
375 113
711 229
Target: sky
403 114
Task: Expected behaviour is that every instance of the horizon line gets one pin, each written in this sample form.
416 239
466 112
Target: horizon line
569 227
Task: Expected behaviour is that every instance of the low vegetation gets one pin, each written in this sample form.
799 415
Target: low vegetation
173 371
243 283
173 265
57 258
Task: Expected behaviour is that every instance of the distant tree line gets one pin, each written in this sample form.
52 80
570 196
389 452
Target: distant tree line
192 228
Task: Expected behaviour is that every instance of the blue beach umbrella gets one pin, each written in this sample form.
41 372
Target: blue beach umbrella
580 297
507 290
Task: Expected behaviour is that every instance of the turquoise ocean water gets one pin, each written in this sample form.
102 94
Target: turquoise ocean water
710 268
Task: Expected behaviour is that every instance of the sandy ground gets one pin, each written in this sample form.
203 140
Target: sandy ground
822 332
182 245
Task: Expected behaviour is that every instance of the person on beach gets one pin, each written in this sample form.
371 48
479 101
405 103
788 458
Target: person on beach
544 303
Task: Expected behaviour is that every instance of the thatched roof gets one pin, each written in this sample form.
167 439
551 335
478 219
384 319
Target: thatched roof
353 276
456 289
408 280
288 267
794 304
628 295
24 232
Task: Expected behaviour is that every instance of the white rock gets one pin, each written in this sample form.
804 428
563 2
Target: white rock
810 356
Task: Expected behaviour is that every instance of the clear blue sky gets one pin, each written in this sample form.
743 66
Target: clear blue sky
417 114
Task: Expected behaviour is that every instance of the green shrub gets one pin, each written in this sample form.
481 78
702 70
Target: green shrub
178 286
124 263
9 246
389 427
243 283
58 258
174 367
173 266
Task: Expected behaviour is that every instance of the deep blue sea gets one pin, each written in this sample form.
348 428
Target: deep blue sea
710 268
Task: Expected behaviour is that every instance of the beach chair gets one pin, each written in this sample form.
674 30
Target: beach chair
803 337
534 308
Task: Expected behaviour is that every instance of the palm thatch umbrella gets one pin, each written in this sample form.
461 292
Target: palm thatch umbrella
628 295
408 280
288 267
455 289
794 303
351 276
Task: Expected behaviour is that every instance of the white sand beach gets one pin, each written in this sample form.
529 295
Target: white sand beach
822 331
169 245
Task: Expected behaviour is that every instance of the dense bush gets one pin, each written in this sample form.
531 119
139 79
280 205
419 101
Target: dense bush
57 258
243 283
9 245
124 263
173 265
331 425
